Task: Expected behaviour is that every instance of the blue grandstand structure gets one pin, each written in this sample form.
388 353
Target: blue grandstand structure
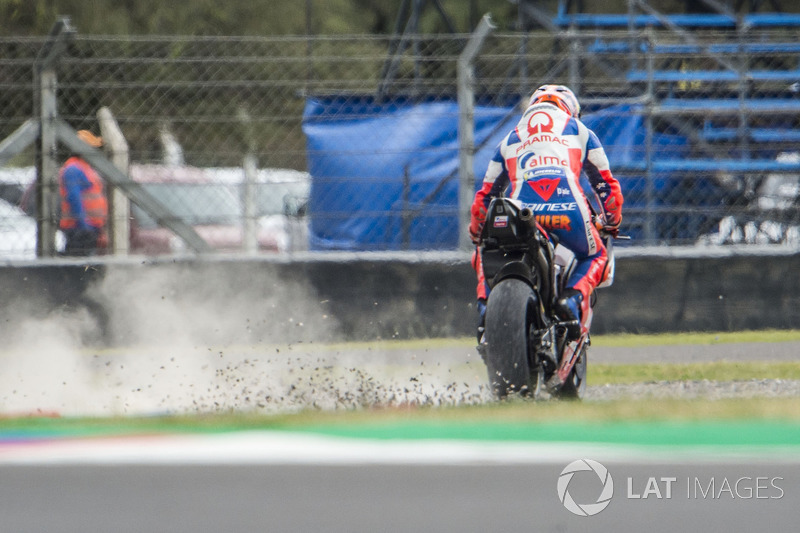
722 78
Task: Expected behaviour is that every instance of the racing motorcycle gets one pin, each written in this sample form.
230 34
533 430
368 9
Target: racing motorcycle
526 346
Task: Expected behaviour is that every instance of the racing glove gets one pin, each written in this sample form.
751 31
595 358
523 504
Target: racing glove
476 224
475 229
613 213
608 229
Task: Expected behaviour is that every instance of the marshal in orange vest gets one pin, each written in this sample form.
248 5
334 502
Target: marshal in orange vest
95 204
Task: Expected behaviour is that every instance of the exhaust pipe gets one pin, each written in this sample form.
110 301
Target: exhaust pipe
526 215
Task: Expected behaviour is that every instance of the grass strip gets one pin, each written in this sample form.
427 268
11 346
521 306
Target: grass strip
526 416
601 374
632 340
651 433
611 340
696 338
635 432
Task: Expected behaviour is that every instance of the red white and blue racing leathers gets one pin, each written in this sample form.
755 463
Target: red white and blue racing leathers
539 163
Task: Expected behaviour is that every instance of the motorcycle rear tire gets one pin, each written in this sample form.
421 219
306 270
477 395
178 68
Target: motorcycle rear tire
509 316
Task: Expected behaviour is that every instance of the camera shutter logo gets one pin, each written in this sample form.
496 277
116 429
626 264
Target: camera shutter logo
585 509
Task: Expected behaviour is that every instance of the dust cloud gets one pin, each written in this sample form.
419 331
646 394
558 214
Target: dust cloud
176 340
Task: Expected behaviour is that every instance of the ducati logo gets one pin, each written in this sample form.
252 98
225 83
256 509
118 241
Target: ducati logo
545 187
540 122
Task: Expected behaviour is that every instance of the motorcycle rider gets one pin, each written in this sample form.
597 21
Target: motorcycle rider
540 163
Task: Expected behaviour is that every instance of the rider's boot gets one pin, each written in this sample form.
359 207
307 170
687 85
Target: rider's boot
570 307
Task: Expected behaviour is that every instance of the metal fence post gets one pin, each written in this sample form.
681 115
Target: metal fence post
406 213
47 188
45 85
249 234
574 60
250 185
466 126
650 199
118 204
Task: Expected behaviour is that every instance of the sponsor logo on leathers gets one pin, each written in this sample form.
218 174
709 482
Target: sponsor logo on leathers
540 122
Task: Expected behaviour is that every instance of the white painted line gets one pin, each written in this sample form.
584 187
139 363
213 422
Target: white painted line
277 447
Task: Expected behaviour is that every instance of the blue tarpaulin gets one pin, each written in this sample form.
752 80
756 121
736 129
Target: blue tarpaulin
385 176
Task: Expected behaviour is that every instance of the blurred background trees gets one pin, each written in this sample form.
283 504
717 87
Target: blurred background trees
235 17
302 17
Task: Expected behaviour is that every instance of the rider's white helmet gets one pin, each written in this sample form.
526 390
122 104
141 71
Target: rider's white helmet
558 95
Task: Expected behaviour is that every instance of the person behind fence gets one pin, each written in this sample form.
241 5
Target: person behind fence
540 163
84 206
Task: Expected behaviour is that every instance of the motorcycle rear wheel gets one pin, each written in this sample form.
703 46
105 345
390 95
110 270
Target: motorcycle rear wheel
509 317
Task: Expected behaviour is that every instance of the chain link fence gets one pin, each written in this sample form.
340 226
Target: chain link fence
352 142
